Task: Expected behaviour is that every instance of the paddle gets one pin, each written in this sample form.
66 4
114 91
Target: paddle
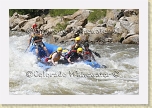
97 54
26 48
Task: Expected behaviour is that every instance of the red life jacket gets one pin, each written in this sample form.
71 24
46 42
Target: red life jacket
87 52
71 51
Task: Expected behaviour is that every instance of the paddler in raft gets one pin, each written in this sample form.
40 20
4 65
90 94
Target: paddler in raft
36 39
73 56
55 57
87 53
77 44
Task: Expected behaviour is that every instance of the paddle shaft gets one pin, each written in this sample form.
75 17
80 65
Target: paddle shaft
27 48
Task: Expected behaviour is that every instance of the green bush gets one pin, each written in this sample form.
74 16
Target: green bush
61 26
32 12
101 21
61 12
93 17
96 15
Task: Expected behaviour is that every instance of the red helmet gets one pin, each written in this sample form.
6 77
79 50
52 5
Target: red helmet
34 26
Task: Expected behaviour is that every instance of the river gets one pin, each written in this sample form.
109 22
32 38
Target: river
120 77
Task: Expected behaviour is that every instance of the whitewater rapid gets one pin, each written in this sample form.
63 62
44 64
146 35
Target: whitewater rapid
121 76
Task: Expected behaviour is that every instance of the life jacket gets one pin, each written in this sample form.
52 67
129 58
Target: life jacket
76 46
74 56
87 54
35 36
56 58
72 51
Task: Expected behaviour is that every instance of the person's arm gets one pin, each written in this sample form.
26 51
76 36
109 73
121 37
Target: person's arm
81 57
63 56
52 60
69 60
41 35
72 47
93 57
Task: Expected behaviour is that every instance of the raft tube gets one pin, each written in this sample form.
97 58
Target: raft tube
50 47
94 64
43 65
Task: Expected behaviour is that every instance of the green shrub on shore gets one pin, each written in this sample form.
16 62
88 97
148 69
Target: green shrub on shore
31 12
61 12
60 26
96 14
93 17
39 12
101 21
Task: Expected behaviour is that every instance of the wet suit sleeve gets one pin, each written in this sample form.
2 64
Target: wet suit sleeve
81 57
72 47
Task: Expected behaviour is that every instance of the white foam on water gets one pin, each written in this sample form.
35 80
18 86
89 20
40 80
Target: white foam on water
60 80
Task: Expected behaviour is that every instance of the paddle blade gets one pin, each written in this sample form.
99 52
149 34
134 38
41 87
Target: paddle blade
97 54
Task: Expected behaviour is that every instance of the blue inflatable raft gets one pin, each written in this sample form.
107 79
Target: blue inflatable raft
42 54
52 48
94 64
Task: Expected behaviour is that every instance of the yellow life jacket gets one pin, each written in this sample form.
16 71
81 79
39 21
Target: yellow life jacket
56 58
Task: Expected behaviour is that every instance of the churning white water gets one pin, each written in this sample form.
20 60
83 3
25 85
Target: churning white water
120 76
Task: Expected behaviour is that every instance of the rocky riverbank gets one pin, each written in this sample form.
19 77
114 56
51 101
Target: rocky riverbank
117 26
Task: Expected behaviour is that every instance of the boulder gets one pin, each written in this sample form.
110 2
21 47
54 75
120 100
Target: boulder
14 21
110 23
134 29
98 30
118 28
51 22
130 12
134 39
65 38
24 17
130 23
89 26
78 15
84 37
111 15
38 20
95 37
116 37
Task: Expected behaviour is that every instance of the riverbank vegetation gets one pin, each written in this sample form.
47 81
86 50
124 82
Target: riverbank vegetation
93 17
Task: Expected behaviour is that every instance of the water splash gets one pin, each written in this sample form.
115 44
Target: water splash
121 76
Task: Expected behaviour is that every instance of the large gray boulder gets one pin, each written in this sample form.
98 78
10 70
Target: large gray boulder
134 39
17 21
38 20
131 24
81 17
